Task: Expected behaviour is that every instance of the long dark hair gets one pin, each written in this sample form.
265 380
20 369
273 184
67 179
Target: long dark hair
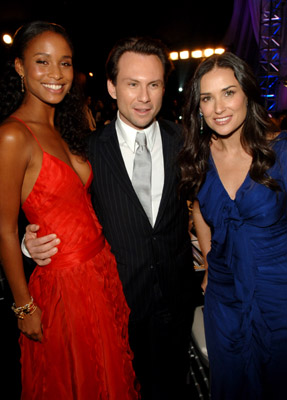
193 159
69 115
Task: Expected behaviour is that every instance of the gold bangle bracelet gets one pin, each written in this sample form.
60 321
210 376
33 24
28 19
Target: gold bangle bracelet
27 309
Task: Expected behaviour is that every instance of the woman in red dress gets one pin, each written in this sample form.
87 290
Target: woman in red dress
72 315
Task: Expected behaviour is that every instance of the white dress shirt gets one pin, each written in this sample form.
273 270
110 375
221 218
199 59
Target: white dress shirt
127 136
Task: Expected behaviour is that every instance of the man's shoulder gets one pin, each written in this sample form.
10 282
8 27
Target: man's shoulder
171 133
102 133
170 126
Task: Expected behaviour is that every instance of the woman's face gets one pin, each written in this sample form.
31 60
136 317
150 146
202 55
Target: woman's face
47 68
222 101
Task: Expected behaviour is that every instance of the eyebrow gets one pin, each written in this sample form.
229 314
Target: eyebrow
223 90
49 55
139 80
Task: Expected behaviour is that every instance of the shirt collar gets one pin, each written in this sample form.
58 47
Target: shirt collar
127 134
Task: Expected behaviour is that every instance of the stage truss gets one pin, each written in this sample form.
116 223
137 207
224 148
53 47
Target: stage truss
271 23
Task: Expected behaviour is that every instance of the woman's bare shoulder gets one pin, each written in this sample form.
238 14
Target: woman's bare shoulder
14 133
16 143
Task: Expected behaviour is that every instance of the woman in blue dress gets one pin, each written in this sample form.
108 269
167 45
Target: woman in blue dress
234 168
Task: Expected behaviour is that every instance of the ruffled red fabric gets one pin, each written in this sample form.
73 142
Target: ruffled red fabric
85 352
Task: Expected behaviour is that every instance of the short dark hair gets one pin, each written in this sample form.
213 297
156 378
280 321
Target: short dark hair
140 45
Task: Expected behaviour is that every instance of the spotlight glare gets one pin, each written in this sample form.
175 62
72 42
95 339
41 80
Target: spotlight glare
196 54
184 55
174 55
203 53
7 38
219 51
208 52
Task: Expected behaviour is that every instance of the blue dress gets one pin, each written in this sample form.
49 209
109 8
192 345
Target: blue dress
245 309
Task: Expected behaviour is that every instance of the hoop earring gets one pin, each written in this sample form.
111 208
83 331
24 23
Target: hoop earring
22 84
201 123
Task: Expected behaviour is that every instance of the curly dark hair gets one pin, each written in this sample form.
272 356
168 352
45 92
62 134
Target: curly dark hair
194 156
70 118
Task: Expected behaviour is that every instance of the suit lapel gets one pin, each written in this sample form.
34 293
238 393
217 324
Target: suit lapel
168 146
110 151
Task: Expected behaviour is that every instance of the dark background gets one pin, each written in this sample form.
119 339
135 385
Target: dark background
95 27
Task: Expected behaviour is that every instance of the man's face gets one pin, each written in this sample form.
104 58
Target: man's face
139 88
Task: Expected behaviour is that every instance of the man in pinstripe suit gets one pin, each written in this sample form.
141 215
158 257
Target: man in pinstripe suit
154 257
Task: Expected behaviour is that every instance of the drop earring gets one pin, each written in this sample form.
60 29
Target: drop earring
201 122
22 84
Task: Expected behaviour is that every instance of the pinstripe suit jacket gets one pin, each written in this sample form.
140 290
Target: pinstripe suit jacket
153 262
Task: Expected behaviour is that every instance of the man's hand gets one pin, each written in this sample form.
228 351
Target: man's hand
40 249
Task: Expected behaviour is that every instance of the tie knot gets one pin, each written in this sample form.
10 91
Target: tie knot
141 138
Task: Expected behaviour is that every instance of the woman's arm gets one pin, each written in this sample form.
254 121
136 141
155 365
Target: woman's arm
15 155
203 234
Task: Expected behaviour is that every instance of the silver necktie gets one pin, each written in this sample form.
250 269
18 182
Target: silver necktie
141 179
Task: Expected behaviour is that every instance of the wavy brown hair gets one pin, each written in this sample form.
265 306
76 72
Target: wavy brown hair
194 156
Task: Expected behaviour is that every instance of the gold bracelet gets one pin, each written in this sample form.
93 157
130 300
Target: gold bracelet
27 309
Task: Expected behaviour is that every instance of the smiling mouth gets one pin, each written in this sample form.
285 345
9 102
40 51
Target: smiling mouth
220 120
52 86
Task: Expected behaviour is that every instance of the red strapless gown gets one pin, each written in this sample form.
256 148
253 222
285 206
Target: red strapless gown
85 353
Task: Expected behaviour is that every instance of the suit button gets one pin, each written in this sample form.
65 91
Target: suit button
151 267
